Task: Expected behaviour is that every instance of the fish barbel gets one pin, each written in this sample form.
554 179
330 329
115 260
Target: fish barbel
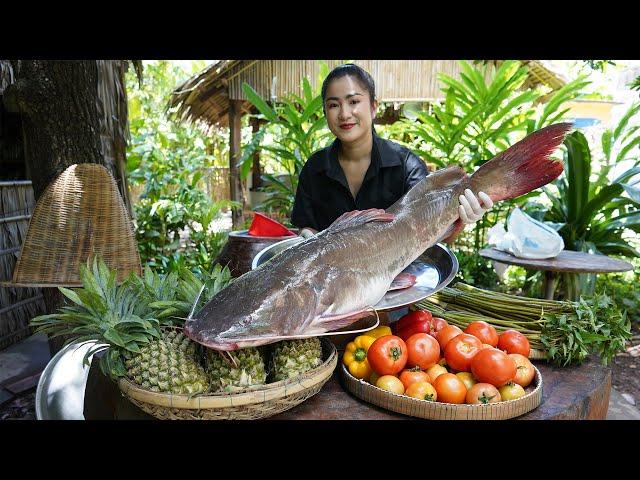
335 278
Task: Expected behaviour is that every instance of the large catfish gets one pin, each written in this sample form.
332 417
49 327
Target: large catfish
334 278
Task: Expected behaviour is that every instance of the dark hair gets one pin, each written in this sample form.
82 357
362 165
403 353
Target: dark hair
354 71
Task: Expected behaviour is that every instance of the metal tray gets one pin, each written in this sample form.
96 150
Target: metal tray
60 391
434 270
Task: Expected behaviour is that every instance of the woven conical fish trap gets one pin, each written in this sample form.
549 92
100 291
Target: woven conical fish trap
80 215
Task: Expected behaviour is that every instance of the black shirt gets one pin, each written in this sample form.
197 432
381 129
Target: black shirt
323 192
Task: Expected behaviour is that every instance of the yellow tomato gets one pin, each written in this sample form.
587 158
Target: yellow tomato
467 379
390 383
511 391
435 371
422 391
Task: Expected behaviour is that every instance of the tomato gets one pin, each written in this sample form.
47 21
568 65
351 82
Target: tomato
387 355
450 388
511 391
467 379
512 341
524 370
435 371
437 324
407 377
485 332
423 350
390 383
418 321
483 393
423 391
460 350
493 366
443 362
446 334
486 345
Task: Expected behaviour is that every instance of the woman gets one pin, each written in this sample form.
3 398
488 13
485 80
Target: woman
359 170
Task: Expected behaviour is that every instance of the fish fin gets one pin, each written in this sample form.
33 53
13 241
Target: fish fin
522 167
452 231
359 217
334 322
403 280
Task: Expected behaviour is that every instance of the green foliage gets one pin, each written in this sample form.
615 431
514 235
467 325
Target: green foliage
622 288
169 164
296 127
596 213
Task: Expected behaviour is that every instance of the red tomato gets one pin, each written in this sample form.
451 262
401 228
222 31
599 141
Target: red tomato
446 334
387 355
460 350
407 377
512 341
437 324
493 366
418 321
485 332
524 370
450 388
423 350
483 393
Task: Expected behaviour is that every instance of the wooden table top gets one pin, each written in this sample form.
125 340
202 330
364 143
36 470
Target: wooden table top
566 261
576 392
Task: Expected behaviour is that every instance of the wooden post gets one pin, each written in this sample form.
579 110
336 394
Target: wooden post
235 132
256 178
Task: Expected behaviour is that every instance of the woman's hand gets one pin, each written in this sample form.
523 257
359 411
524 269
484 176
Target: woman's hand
470 208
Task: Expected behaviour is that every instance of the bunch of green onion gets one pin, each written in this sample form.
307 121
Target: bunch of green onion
568 332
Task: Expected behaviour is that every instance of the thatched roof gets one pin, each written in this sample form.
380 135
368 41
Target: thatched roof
204 98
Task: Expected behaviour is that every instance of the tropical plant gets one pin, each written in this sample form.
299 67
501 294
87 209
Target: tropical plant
595 213
298 128
168 165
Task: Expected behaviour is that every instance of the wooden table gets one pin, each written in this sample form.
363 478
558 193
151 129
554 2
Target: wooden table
566 261
568 393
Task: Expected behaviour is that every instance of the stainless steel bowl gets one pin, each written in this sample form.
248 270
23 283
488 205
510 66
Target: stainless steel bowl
434 270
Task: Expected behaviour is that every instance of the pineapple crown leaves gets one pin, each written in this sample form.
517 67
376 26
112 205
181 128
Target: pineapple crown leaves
104 312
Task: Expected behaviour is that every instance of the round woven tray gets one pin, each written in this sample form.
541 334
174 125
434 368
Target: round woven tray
249 404
445 411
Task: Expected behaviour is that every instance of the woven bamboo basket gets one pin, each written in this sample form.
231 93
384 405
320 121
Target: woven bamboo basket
249 404
80 215
445 411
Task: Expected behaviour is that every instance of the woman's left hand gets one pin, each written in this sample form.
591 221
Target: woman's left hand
470 208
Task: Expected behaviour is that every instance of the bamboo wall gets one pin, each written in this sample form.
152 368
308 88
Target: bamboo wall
17 305
396 80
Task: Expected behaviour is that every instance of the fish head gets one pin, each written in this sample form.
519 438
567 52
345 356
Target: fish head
253 311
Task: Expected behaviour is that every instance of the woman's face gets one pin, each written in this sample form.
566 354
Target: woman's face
348 109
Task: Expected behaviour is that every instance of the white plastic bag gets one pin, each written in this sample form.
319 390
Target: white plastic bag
526 237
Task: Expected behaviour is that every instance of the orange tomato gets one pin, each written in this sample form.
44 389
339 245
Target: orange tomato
493 366
483 393
407 377
446 334
485 332
423 350
460 350
423 391
512 341
387 355
450 388
524 370
437 324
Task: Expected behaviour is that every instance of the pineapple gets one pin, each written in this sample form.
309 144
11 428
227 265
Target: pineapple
236 370
293 357
139 348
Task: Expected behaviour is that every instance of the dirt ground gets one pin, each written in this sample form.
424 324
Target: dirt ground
625 376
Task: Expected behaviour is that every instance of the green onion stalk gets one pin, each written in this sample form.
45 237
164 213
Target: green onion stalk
568 332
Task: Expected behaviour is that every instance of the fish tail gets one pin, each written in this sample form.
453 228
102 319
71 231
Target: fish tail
522 167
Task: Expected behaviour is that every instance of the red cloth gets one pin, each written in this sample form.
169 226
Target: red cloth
263 226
